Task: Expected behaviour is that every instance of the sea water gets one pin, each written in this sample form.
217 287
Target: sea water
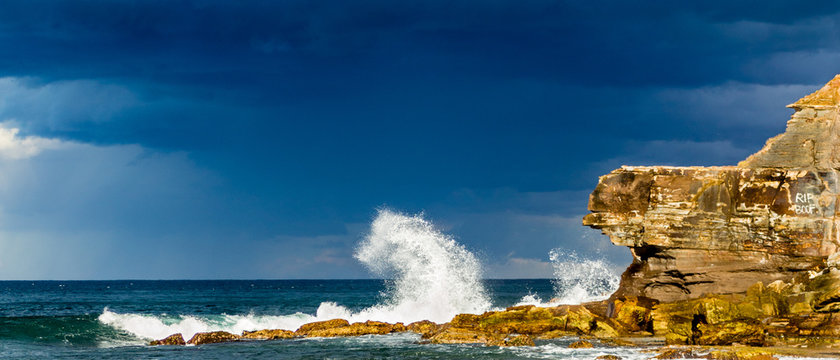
431 277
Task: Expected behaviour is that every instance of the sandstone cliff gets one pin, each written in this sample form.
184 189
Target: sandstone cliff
746 254
702 230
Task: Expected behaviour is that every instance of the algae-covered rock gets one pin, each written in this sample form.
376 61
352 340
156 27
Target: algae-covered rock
742 332
632 315
271 334
174 339
212 338
711 320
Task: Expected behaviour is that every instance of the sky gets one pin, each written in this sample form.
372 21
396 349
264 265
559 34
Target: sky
258 139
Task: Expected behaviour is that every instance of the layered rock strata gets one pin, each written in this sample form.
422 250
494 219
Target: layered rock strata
703 230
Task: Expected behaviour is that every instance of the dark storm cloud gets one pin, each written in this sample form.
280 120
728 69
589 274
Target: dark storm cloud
283 45
494 116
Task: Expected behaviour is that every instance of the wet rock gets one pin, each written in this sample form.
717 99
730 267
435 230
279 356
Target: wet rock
425 328
212 338
581 344
268 334
340 327
537 322
608 357
513 340
742 354
677 353
174 339
309 328
459 335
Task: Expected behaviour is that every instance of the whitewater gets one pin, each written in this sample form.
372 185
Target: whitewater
434 278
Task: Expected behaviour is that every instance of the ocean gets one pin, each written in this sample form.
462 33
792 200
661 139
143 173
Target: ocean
115 319
432 277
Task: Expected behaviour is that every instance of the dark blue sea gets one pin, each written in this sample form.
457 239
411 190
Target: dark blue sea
115 319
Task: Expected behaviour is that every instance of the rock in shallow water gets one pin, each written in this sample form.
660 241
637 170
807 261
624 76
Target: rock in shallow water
581 344
340 327
174 339
212 338
271 334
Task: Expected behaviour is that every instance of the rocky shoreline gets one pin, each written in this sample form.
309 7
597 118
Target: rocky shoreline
745 259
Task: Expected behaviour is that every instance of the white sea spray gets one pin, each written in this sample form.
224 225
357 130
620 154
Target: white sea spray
434 278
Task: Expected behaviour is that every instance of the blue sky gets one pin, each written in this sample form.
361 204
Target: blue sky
256 139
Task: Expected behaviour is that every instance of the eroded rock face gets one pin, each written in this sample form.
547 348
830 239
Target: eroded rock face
711 230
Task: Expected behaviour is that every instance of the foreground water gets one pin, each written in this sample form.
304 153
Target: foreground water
114 319
434 278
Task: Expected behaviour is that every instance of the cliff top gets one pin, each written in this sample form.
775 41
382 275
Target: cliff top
828 96
812 137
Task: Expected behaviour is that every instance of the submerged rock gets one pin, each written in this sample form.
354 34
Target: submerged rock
212 338
174 339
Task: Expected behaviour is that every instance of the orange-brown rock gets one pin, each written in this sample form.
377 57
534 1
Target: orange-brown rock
340 327
514 340
212 338
174 339
268 334
581 344
608 357
424 327
306 329
632 313
712 230
537 322
458 335
678 353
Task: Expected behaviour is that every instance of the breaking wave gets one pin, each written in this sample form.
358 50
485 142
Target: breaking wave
435 278
577 280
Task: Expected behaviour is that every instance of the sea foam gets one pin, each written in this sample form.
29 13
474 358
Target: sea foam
577 280
160 326
434 278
